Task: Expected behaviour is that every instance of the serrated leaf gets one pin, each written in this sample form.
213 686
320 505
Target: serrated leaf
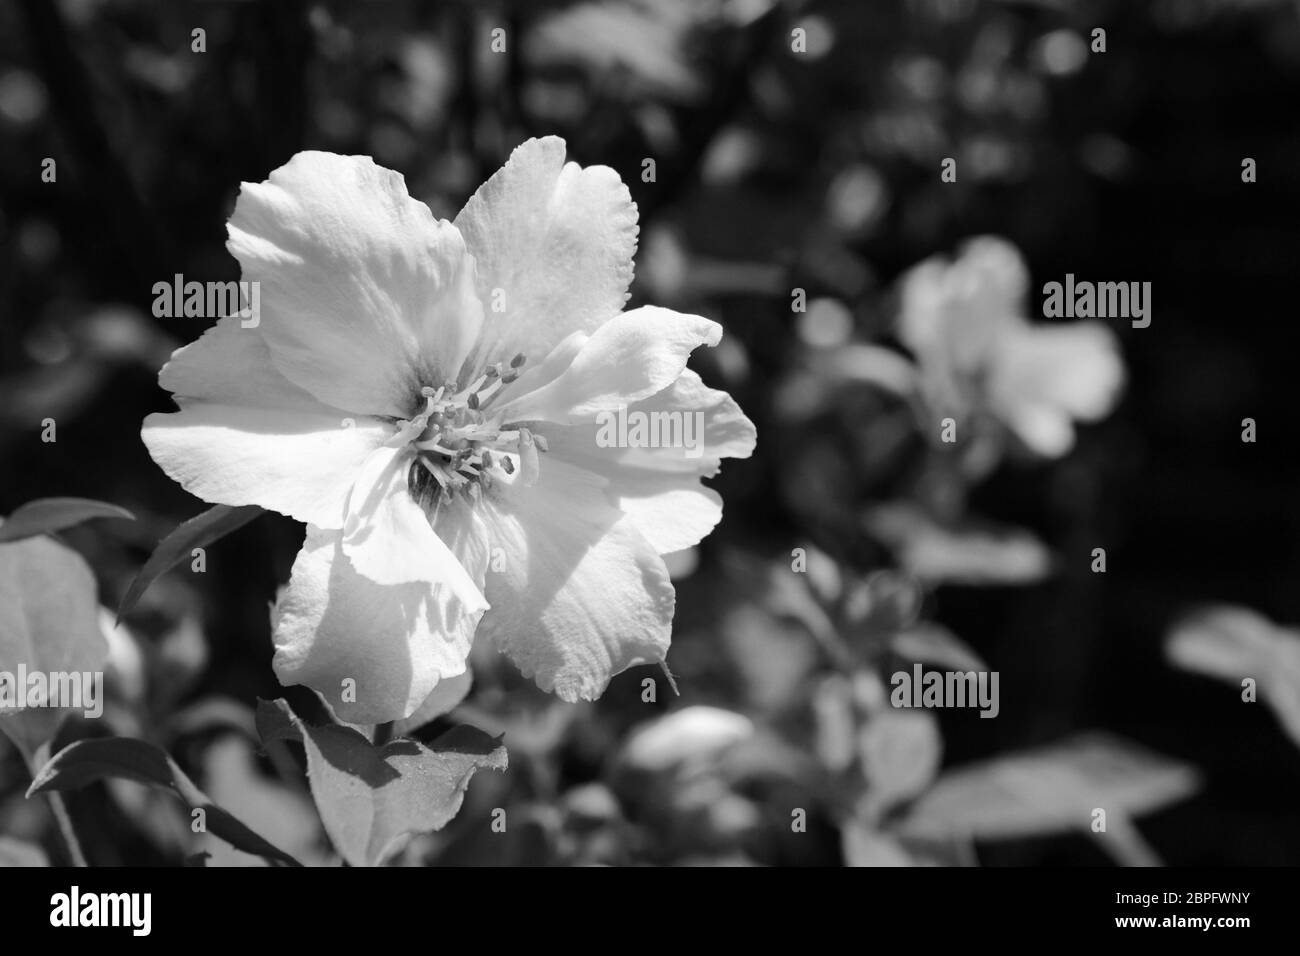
372 800
199 532
87 761
1232 643
1049 790
469 740
49 623
54 514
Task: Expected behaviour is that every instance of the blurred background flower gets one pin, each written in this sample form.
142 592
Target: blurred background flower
965 321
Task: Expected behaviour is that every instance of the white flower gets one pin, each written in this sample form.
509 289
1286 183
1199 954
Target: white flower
695 736
964 321
424 395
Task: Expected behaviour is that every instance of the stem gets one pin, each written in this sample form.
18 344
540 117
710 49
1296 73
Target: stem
65 828
60 809
1126 844
383 733
965 849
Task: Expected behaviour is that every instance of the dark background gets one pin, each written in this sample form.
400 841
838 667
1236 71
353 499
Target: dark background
1124 168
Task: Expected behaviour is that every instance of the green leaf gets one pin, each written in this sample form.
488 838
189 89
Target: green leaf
1232 643
872 365
883 603
284 815
21 853
900 751
54 514
198 532
933 644
276 722
864 846
466 739
49 623
1050 790
372 800
212 713
937 554
87 761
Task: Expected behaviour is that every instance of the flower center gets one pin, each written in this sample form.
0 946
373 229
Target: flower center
462 445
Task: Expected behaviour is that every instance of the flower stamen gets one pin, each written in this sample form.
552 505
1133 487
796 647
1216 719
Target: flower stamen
461 444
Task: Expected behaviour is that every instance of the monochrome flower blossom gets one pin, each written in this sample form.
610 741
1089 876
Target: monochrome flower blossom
424 395
964 320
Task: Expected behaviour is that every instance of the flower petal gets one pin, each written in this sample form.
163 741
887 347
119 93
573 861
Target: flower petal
954 313
552 366
388 538
554 246
1045 376
357 280
992 273
659 488
581 595
463 533
1076 367
375 652
726 433
297 464
247 435
1044 428
672 512
231 365
633 356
